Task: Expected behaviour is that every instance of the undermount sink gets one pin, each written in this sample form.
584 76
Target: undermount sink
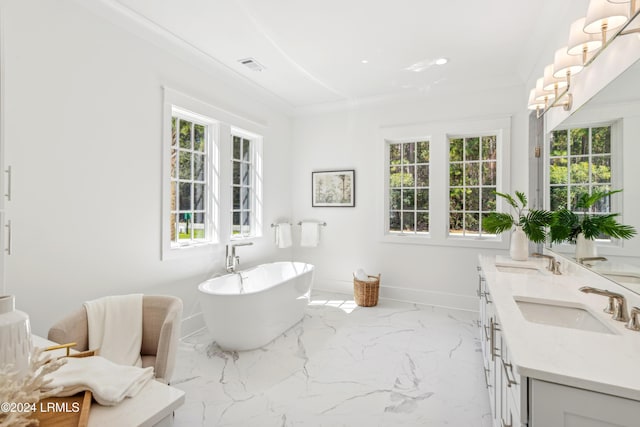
560 313
517 269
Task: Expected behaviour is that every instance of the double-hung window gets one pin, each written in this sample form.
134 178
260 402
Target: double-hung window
408 187
473 179
246 184
580 161
190 175
440 181
190 188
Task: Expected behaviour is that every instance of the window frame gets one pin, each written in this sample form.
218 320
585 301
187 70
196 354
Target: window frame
616 174
437 135
190 109
500 205
388 188
255 184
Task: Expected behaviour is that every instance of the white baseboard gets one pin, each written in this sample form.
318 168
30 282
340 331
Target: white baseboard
192 324
417 296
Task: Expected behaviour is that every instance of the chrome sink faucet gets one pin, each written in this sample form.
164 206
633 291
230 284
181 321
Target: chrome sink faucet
230 254
617 303
554 265
634 321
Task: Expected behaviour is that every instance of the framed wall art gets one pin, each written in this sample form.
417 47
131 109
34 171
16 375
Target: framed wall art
333 188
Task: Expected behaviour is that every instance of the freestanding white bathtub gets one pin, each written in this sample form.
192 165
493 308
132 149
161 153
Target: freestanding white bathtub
248 309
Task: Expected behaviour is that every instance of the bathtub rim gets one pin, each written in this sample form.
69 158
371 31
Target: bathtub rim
215 277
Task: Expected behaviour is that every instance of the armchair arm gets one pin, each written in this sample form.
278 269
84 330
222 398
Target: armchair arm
161 325
72 328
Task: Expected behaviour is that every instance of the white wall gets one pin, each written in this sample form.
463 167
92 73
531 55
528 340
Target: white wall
83 133
351 139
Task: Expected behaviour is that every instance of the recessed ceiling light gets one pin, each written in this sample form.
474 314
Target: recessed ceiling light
441 61
365 61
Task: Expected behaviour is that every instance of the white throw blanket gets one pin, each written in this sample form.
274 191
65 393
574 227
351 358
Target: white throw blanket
110 383
115 328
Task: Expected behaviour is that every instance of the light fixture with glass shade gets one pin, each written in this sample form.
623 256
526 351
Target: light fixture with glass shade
565 65
581 43
543 95
535 104
603 16
553 83
587 35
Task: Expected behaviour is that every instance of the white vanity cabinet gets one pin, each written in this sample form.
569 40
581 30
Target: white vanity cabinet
541 397
506 393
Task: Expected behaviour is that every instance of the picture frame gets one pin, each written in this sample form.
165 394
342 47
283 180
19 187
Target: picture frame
333 188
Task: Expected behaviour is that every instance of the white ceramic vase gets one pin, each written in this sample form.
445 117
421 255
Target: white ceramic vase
519 249
585 248
15 336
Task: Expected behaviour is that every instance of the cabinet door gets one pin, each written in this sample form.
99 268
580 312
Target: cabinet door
563 406
3 250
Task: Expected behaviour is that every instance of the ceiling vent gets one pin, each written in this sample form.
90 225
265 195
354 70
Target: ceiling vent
251 64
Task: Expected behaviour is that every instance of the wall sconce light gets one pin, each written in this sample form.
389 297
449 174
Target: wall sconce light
535 104
553 83
603 16
586 35
581 43
565 65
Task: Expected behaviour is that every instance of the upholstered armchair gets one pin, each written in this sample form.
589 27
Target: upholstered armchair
161 317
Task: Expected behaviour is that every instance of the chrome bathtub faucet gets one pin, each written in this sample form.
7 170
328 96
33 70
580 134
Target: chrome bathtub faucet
232 260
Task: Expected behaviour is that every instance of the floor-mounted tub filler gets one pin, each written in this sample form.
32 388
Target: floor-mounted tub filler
248 309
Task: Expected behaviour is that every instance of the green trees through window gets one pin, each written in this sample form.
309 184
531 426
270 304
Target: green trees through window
188 180
408 187
579 163
473 172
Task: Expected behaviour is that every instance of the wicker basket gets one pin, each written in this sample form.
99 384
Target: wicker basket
366 292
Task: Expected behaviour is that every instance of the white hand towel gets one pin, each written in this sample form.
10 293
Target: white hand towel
361 275
110 383
310 234
115 328
283 235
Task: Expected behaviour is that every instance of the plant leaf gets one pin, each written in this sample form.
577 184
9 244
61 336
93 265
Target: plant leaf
586 200
534 224
607 224
522 197
497 222
509 199
565 226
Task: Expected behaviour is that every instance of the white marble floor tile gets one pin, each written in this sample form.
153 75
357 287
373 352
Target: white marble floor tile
396 364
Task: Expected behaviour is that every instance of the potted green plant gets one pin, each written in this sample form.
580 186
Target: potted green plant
527 224
583 227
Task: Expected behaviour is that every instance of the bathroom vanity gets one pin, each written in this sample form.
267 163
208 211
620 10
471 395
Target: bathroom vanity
552 357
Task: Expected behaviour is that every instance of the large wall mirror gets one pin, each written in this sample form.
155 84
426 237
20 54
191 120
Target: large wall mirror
613 161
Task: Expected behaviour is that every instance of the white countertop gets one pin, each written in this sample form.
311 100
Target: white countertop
606 363
155 402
